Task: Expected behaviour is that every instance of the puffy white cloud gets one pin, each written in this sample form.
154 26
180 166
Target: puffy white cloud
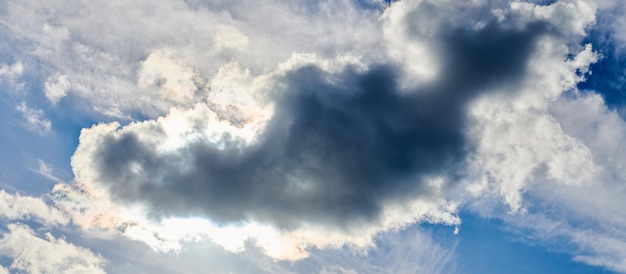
31 253
591 215
571 18
18 207
47 254
551 154
11 71
56 87
516 135
177 82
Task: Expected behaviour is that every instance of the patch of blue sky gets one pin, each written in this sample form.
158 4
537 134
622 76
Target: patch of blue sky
608 75
20 150
490 246
23 148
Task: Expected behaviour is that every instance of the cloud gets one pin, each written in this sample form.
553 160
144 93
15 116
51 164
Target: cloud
56 87
33 254
551 154
45 170
18 207
35 119
11 72
346 151
518 141
301 126
102 59
9 75
597 227
413 250
28 252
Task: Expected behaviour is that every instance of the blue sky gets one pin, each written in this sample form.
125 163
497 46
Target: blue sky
272 136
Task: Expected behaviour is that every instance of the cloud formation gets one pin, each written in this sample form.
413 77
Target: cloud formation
327 122
29 252
333 152
345 146
18 207
35 119
34 254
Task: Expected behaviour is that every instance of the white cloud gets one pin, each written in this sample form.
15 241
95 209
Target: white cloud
13 71
552 154
18 207
56 87
201 71
592 215
172 78
570 17
517 137
34 254
9 75
47 254
101 57
35 119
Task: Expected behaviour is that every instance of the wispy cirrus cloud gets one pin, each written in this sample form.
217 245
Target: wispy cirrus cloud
34 119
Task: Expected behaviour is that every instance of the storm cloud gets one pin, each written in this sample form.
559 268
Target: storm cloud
339 147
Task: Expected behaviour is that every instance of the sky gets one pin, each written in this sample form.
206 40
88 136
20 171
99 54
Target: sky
343 136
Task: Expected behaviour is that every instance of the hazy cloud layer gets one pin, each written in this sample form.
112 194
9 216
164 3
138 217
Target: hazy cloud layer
99 54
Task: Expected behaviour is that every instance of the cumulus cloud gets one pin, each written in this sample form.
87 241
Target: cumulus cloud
33 254
519 138
349 123
18 207
596 227
56 87
347 150
551 155
29 252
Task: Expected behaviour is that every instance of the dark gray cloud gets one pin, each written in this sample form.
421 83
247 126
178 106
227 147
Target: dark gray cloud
339 148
